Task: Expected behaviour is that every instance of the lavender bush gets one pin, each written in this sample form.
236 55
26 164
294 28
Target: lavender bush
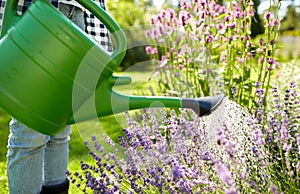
280 129
173 155
208 48
229 151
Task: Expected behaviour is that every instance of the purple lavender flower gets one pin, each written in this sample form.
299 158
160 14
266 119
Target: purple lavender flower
208 39
273 23
298 167
298 142
176 172
231 25
271 61
274 190
233 90
261 42
224 173
267 15
231 190
272 42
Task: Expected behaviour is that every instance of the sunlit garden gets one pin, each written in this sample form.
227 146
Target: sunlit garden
249 144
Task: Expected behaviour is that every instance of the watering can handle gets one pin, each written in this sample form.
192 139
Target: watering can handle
10 16
110 24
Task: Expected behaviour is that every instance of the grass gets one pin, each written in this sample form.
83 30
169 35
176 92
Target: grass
111 125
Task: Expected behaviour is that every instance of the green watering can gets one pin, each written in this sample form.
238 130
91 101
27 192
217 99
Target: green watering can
52 74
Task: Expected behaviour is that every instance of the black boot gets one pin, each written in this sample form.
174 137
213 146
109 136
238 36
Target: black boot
61 188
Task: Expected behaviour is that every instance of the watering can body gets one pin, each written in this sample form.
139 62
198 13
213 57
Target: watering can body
49 66
40 53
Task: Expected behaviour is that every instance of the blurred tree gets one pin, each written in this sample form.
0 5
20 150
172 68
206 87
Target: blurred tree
131 15
290 20
126 12
256 25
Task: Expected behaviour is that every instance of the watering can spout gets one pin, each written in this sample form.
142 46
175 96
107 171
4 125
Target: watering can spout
203 106
108 102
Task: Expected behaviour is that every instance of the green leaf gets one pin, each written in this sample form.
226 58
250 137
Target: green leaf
204 87
220 16
246 73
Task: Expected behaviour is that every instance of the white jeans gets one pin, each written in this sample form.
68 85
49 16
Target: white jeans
35 159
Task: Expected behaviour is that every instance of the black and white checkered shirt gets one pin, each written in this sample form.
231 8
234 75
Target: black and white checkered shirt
93 25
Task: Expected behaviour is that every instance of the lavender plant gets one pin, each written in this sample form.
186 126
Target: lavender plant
178 155
229 151
281 139
211 49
